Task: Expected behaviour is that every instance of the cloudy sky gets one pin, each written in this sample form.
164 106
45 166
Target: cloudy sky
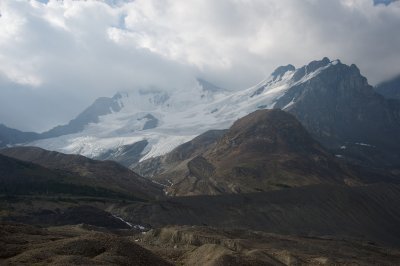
56 57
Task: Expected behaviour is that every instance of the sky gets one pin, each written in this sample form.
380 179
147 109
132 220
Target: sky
57 57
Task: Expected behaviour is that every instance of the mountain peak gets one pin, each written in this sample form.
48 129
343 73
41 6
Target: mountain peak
265 150
208 86
119 95
280 71
270 129
314 65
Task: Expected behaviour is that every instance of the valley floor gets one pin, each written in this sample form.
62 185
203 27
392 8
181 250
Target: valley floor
179 245
320 225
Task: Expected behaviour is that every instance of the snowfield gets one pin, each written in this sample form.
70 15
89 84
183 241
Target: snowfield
175 117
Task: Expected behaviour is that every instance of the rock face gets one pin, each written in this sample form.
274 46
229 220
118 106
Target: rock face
390 89
340 109
265 150
105 174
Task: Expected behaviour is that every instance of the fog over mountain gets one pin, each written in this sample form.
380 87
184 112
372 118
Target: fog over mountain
59 56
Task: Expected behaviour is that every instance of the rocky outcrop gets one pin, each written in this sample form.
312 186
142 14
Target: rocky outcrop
339 108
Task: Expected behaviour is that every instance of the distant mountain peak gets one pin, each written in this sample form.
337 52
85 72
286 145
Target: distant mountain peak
280 71
208 86
314 65
119 95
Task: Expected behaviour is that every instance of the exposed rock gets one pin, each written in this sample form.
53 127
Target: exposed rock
338 108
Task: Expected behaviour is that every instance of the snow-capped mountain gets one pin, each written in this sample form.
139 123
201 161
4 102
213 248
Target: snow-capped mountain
167 119
137 125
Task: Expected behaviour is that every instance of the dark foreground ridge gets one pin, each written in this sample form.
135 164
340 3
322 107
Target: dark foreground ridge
77 169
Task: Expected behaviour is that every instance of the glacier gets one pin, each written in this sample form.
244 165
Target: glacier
167 119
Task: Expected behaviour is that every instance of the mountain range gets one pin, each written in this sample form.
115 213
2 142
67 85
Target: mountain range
301 169
332 100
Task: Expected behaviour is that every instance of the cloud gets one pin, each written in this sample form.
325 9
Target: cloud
385 2
61 55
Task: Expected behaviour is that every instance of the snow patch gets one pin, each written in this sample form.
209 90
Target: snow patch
119 218
364 144
136 226
158 183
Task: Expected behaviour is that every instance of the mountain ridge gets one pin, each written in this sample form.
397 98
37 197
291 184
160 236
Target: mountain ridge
265 150
331 99
105 174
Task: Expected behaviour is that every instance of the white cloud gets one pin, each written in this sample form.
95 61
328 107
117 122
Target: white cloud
68 53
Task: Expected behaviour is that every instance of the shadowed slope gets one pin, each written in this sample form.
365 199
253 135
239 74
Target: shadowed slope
106 174
265 150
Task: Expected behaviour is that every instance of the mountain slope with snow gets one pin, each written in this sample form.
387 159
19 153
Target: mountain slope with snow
176 118
165 119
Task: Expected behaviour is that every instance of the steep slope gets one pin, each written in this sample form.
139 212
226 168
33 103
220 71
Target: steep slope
265 150
105 174
343 112
390 89
176 160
